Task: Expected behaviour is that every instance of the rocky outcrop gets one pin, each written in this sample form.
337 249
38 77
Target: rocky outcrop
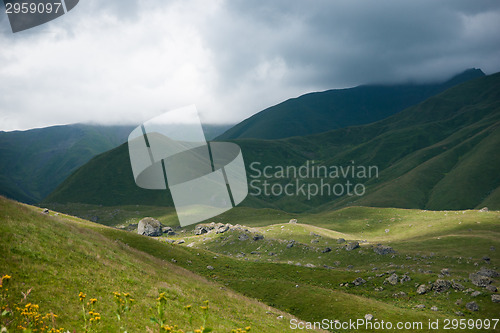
149 226
383 250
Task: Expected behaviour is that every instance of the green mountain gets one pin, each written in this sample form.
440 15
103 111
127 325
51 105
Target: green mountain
34 162
332 109
439 154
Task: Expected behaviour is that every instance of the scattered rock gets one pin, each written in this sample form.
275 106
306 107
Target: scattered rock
293 221
223 229
326 250
309 265
479 280
340 241
487 259
314 241
459 313
258 237
181 241
393 279
445 271
422 289
420 306
387 231
484 209
434 308
492 249
441 285
399 294
495 298
210 267
383 250
279 317
475 294
457 286
491 288
472 306
359 281
290 244
173 260
45 211
378 288
149 226
351 246
368 317
404 278
488 272
243 237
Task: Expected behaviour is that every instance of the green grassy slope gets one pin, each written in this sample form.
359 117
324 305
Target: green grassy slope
439 154
46 252
57 257
332 109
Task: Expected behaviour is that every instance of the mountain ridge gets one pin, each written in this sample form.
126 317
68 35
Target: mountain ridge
318 112
421 152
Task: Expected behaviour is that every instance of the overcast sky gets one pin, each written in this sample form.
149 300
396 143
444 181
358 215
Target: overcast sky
126 61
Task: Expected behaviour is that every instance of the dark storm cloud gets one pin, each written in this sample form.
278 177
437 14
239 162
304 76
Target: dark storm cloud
338 43
126 61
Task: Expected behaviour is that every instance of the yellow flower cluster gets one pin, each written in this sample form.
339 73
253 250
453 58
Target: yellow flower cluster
94 316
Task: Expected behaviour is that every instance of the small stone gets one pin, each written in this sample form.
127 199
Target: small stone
479 279
243 237
472 306
368 317
258 237
491 288
359 281
173 260
420 306
393 279
181 241
290 244
445 271
495 298
351 246
441 285
210 267
326 250
434 308
340 241
422 289
459 313
293 221
45 211
279 317
475 294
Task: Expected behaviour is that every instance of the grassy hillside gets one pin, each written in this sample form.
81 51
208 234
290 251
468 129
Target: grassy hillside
325 111
439 154
45 252
56 257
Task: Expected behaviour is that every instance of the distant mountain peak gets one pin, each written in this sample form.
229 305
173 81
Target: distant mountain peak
468 74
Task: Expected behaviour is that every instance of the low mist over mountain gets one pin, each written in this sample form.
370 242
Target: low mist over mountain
439 154
332 109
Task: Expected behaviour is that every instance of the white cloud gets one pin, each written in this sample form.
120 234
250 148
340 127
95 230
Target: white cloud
128 61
